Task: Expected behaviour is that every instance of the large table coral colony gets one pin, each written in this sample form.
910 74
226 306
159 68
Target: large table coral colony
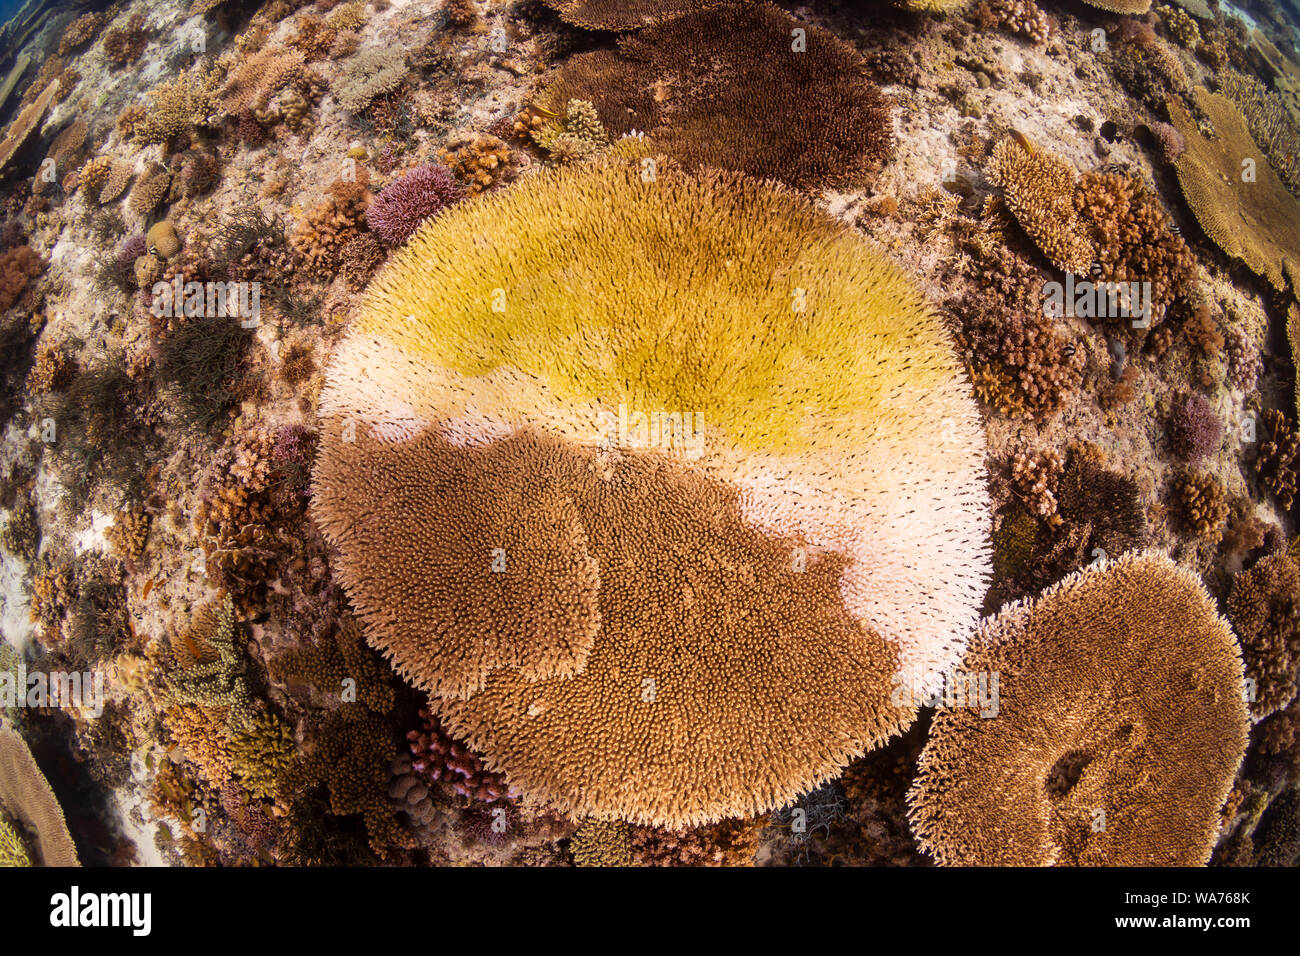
652 433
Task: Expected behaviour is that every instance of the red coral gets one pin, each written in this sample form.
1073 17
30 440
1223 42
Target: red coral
435 757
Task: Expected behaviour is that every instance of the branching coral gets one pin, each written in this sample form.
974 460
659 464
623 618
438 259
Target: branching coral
1278 459
19 265
81 31
178 106
1022 362
1117 734
625 14
1203 503
1021 17
1035 478
727 87
1134 239
1264 608
214 676
405 203
479 160
123 45
560 535
1039 187
575 137
602 843
729 843
436 757
320 236
342 668
258 78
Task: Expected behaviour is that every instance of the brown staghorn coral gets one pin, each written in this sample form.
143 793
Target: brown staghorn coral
1276 461
728 843
1039 187
1264 607
566 584
26 798
1023 362
123 45
1134 240
722 87
1119 727
1240 202
81 31
1203 504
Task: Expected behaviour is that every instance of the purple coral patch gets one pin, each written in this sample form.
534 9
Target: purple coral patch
404 204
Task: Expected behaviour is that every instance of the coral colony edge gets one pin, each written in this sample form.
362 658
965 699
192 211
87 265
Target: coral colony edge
652 433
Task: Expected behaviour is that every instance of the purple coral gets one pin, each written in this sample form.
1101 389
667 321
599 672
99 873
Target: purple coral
131 250
405 203
435 756
1194 428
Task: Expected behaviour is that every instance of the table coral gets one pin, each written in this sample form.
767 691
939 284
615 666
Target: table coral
554 655
1238 199
719 87
1121 703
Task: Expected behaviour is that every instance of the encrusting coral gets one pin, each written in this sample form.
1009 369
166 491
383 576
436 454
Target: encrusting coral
1115 738
560 532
